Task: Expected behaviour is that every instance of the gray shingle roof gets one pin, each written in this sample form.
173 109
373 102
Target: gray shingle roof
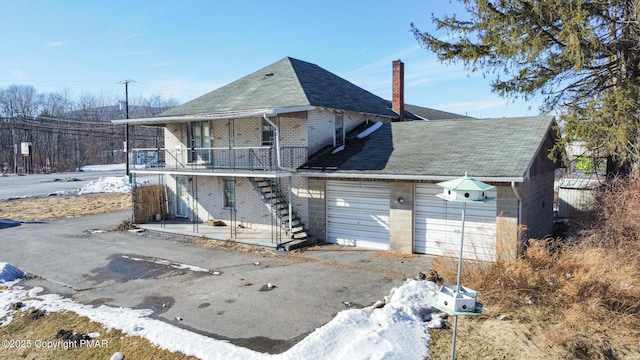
287 83
433 114
489 148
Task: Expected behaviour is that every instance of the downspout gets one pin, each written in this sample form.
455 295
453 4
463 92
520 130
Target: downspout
515 191
279 165
277 136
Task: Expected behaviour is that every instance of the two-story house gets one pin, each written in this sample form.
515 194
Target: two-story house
278 150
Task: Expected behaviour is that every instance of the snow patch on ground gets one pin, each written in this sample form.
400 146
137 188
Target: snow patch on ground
87 168
397 330
172 264
110 184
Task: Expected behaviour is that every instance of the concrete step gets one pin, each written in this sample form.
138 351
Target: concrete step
296 222
298 244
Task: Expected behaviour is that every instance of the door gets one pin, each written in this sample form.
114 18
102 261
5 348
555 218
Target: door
199 142
182 194
438 227
358 214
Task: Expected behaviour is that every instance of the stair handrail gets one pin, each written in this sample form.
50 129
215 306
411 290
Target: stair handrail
282 199
262 165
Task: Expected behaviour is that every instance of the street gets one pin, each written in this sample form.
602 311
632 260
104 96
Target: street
38 185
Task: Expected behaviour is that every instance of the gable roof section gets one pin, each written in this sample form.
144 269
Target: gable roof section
490 149
433 114
287 83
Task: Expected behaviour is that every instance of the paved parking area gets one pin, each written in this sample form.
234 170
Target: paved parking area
222 292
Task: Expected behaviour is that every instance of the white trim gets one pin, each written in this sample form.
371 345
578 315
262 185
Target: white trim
229 114
260 173
364 175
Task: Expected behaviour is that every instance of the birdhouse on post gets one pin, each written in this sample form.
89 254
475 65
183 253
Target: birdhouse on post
465 189
456 299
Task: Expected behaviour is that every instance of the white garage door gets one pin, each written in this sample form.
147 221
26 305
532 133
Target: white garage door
358 214
438 226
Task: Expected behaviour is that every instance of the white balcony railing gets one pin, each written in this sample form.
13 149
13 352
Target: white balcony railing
240 158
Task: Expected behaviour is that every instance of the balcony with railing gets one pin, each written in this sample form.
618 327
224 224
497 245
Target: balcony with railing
237 159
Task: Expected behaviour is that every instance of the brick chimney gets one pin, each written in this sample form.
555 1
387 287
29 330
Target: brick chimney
397 101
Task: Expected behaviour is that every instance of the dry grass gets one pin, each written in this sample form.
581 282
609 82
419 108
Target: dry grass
560 301
44 330
63 207
230 245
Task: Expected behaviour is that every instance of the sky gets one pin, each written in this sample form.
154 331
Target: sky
184 49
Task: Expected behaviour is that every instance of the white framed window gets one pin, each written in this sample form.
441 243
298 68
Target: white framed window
199 141
338 139
229 193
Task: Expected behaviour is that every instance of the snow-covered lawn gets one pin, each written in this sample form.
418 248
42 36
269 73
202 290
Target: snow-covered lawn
394 328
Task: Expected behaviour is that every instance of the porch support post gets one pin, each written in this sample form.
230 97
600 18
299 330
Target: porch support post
290 208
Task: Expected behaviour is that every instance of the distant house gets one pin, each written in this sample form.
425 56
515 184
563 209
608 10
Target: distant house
278 151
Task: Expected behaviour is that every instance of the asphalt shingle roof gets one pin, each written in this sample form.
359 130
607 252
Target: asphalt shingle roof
488 148
287 83
433 114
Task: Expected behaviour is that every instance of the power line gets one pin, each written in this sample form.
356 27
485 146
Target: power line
85 132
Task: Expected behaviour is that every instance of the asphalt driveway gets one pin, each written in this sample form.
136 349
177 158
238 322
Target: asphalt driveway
262 299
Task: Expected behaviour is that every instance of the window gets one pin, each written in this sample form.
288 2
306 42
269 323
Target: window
266 133
338 139
229 193
199 141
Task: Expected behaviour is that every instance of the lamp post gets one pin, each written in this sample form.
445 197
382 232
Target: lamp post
460 300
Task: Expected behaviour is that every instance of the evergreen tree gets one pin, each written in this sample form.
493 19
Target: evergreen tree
581 56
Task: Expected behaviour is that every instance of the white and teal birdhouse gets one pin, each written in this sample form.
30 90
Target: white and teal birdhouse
457 300
464 189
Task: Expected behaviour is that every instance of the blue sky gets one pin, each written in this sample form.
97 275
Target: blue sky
184 49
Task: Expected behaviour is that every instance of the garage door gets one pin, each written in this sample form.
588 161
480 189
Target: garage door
438 226
358 214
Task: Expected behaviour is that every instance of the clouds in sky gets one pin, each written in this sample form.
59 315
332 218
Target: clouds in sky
179 87
54 44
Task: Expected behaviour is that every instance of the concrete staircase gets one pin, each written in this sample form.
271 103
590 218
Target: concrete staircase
297 236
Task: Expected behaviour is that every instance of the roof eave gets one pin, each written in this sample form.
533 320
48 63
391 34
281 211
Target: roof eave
232 114
365 114
415 177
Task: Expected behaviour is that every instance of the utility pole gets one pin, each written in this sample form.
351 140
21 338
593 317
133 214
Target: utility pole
13 137
15 145
126 131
